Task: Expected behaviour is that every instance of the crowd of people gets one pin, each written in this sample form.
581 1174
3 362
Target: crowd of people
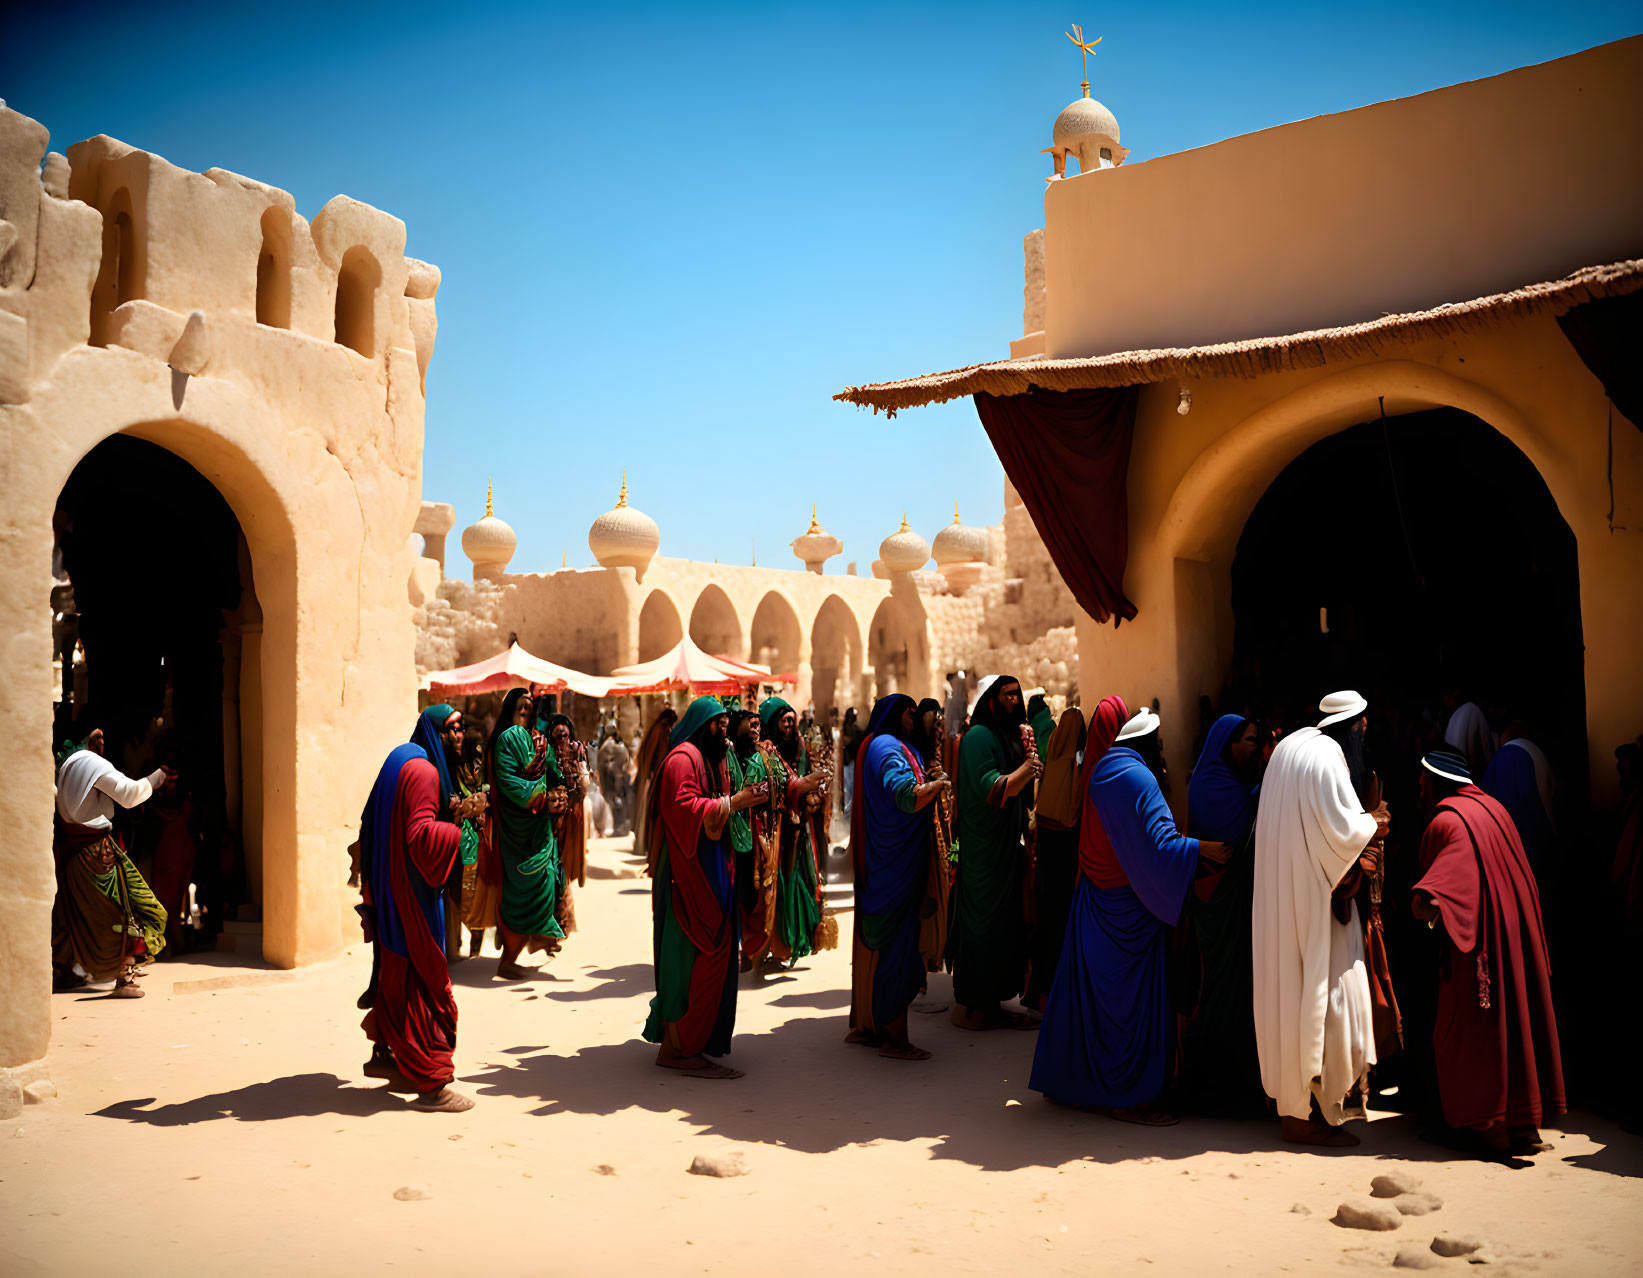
1239 964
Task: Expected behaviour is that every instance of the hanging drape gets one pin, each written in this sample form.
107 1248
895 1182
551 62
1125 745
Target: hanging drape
1607 335
1068 454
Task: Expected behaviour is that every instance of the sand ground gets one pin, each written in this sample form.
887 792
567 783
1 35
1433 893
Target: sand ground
222 1125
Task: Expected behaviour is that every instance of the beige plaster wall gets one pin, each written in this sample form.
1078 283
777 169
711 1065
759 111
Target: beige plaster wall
1193 481
1403 205
318 450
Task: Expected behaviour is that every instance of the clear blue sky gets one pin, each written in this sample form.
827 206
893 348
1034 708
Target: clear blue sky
670 233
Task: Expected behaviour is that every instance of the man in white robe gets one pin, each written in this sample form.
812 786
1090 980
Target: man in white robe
1314 1022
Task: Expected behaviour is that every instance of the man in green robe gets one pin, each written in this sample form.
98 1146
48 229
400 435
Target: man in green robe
802 832
527 792
1042 721
987 946
752 834
693 1014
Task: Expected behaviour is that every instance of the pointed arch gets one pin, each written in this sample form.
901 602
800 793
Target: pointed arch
714 625
660 627
774 635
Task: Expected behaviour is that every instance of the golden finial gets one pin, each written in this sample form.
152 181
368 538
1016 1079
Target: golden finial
1085 47
622 497
755 543
815 524
955 512
564 557
904 527
489 509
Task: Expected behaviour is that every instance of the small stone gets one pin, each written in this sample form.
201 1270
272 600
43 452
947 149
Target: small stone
39 1092
1359 1213
1456 1244
1417 1204
1301 1209
1392 1184
725 1163
412 1193
1415 1258
604 1169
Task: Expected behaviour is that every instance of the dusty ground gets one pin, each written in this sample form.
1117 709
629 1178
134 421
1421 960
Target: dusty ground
228 1130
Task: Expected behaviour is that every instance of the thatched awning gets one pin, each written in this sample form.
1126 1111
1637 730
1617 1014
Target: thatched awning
1255 356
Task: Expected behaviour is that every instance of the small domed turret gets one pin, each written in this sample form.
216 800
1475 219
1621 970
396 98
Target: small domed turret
817 545
904 550
623 537
961 554
490 542
1085 130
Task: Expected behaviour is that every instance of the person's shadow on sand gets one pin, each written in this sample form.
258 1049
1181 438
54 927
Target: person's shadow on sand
294 1096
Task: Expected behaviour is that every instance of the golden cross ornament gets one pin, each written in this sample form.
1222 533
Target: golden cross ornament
1085 48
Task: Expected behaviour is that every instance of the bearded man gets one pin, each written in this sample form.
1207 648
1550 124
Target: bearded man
1314 1015
801 827
987 947
693 1014
752 834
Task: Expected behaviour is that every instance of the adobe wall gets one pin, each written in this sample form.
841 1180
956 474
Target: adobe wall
1193 481
1449 195
316 447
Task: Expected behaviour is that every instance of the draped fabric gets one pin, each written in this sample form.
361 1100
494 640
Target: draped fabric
1519 779
1068 454
647 763
1469 732
891 848
1107 1032
1496 1032
1607 334
406 855
695 933
1314 1020
104 914
1055 852
526 848
1110 717
428 733
800 833
987 946
1219 1067
754 836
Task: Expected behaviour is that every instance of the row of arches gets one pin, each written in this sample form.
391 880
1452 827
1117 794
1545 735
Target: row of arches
837 653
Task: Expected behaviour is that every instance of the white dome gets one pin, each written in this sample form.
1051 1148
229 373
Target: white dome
623 537
959 544
904 550
1082 117
817 545
489 543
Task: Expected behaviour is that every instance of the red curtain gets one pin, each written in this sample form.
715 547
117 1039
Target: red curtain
1068 453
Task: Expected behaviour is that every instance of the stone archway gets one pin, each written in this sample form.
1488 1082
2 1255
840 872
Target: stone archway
714 626
660 627
774 635
835 657
893 650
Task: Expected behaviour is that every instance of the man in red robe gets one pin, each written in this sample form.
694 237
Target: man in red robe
695 917
1499 1072
406 855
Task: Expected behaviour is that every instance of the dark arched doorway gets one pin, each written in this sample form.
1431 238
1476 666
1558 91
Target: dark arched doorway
1406 558
158 633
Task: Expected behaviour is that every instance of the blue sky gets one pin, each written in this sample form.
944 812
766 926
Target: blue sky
670 233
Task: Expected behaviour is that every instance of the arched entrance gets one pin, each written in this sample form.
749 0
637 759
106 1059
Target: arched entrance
774 635
835 657
891 648
1410 558
714 626
659 625
157 630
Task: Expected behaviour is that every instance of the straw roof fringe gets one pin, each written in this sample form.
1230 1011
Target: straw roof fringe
1255 356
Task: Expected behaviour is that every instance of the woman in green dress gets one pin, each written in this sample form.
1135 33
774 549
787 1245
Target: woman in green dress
527 792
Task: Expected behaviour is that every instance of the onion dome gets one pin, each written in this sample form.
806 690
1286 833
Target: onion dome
623 537
817 545
959 544
490 543
1084 116
904 550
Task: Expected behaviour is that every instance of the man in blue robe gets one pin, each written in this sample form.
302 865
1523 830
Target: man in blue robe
1109 1025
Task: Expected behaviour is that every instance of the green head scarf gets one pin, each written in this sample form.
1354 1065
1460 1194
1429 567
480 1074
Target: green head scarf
701 712
770 709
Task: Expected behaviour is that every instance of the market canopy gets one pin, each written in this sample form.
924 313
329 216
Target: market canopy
687 666
514 668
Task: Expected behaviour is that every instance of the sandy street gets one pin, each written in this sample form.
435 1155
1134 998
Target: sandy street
222 1126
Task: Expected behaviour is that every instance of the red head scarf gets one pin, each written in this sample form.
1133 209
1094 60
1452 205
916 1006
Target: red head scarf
1110 717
